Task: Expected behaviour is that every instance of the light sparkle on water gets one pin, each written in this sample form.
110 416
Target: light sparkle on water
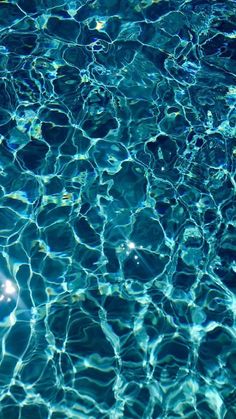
131 245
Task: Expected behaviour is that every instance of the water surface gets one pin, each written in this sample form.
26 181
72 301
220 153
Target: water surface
117 209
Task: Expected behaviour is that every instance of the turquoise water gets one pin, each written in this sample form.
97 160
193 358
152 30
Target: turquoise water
117 209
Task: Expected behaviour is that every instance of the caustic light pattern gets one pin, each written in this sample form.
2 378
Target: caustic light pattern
117 209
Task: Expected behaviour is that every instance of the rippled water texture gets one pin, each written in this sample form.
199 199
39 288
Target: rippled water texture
117 209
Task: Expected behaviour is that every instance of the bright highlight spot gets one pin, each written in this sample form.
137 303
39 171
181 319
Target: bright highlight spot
99 25
131 245
9 288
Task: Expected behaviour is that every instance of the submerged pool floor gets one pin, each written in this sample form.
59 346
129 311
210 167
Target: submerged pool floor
117 209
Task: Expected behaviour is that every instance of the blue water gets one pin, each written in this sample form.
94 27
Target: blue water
117 209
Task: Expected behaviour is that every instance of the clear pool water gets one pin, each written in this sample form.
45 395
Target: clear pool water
117 209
